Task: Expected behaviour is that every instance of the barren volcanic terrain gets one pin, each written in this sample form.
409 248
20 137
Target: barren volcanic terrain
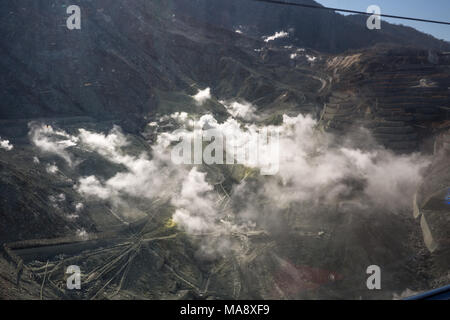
88 120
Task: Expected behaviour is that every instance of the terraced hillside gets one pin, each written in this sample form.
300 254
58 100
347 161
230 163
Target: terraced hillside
402 95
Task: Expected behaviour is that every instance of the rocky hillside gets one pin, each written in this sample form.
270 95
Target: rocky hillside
318 29
400 93
50 71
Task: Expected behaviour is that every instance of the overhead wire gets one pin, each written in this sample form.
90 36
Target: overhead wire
303 5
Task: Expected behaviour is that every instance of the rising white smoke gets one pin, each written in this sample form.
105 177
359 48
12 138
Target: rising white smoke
196 211
241 110
144 178
4 144
51 168
277 35
313 169
202 96
52 141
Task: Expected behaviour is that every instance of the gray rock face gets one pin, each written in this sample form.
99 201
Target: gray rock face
50 71
379 88
128 61
432 201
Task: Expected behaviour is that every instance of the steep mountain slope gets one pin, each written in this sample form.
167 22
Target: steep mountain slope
125 62
318 29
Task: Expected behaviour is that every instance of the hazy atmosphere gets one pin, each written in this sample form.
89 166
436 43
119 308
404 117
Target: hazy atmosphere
215 150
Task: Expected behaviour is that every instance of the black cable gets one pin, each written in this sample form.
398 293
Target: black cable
348 11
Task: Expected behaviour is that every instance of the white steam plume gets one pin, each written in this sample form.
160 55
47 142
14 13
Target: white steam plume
202 96
313 169
4 144
51 141
277 35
